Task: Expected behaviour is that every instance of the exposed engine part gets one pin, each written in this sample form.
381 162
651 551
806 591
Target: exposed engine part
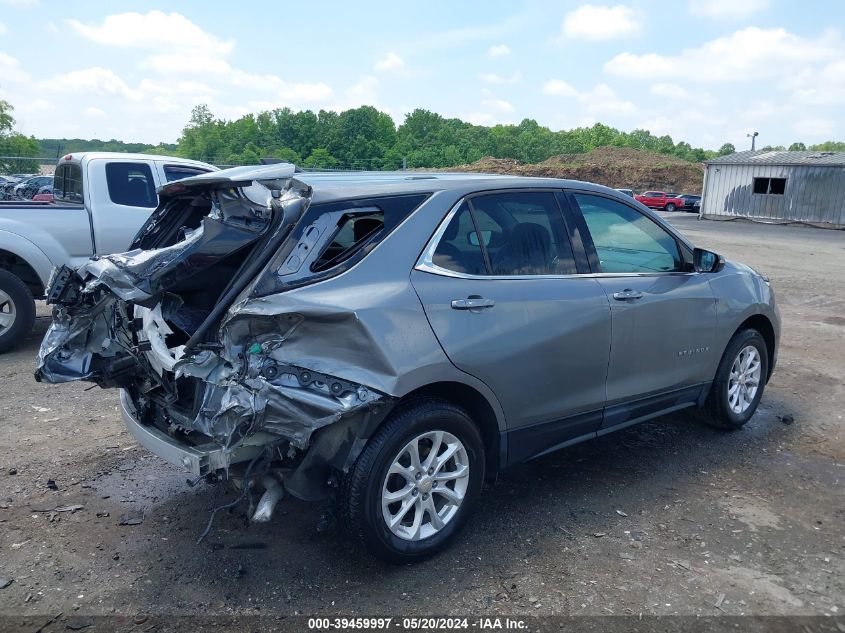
273 493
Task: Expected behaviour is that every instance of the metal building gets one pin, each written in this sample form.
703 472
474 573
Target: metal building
776 186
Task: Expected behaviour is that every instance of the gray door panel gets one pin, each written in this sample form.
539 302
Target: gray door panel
663 340
542 347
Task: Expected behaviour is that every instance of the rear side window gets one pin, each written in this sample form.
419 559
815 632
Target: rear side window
331 237
67 182
507 234
627 241
353 231
177 172
131 184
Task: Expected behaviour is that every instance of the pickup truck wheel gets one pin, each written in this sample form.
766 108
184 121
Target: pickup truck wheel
739 382
17 310
416 482
671 207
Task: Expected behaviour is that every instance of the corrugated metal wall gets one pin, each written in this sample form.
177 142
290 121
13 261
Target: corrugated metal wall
815 195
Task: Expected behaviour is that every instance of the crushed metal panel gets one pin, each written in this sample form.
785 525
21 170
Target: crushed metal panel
114 316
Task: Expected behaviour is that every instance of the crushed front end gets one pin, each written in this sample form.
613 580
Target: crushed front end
204 386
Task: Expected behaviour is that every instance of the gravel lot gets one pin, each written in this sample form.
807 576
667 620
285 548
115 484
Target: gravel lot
669 517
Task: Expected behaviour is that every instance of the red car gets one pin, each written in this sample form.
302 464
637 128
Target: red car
659 200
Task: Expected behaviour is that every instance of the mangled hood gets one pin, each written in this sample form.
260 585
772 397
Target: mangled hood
158 319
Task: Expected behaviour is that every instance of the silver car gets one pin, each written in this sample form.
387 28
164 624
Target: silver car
393 340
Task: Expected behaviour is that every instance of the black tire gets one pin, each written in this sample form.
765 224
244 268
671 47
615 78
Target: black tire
361 492
671 207
24 307
717 411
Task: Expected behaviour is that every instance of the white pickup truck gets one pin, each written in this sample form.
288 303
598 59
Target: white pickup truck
101 200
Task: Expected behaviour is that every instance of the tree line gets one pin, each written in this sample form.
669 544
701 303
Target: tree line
364 138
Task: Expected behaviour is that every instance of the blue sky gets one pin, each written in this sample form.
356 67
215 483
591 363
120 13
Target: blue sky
704 71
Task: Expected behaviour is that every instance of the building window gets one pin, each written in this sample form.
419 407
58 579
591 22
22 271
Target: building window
774 186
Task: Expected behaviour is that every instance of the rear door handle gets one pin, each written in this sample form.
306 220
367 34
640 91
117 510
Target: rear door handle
628 295
472 303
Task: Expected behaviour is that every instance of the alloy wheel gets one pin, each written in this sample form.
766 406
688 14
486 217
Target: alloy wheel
744 380
7 312
425 485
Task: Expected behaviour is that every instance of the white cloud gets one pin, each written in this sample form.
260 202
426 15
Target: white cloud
498 104
389 62
816 127
726 9
493 78
177 87
152 30
38 105
749 54
822 86
601 22
558 87
180 65
96 80
362 92
462 36
602 99
10 70
478 118
186 62
499 50
3 28
669 91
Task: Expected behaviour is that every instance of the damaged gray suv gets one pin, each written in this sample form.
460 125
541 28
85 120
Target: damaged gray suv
393 340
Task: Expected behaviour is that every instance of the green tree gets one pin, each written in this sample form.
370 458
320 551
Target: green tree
797 147
288 155
6 119
15 145
727 148
829 146
320 159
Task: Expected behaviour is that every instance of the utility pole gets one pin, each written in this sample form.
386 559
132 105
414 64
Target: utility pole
404 163
753 137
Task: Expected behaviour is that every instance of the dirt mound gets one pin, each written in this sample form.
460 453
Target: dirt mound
620 167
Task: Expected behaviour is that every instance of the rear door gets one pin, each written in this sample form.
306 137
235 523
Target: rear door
500 288
663 314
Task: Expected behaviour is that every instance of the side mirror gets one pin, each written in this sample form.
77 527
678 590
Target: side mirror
707 261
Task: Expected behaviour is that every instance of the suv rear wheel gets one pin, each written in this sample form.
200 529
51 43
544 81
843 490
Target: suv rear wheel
671 206
415 484
738 386
17 310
